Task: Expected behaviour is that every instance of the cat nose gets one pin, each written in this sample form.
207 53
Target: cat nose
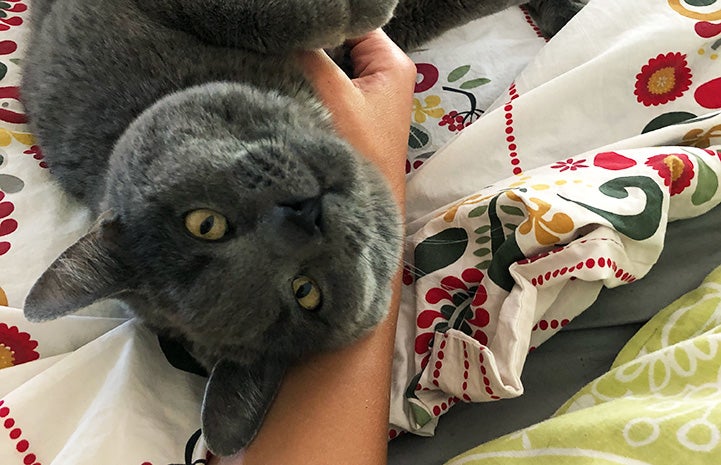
305 214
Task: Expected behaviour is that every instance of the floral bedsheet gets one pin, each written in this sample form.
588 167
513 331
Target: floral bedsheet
497 273
602 139
562 180
659 404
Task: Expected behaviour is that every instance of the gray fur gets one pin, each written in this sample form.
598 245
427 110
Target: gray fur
148 109
417 21
552 15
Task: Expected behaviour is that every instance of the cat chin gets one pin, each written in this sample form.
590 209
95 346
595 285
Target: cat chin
207 351
209 357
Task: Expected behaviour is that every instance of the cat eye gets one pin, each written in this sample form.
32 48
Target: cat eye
206 224
307 293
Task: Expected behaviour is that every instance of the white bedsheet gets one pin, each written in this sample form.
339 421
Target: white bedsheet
84 388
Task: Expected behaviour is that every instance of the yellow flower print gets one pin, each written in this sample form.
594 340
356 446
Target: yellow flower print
559 223
521 181
699 15
450 214
430 108
6 137
700 138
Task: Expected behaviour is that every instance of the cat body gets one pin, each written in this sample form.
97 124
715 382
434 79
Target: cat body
230 215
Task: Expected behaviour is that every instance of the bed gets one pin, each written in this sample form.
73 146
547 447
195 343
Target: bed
531 266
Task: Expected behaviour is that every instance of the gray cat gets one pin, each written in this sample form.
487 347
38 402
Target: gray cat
230 215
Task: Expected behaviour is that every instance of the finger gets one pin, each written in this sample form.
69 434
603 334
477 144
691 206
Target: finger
331 85
327 79
376 53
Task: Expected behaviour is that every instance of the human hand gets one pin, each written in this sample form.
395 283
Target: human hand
343 416
373 110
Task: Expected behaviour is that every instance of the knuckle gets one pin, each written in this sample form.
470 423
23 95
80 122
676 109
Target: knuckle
407 68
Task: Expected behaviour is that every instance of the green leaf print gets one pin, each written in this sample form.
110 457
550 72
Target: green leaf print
420 415
473 83
482 252
458 73
418 137
668 119
497 236
509 210
506 255
478 211
637 227
439 251
707 184
411 389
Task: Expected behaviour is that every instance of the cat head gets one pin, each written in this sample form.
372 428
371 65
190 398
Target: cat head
236 219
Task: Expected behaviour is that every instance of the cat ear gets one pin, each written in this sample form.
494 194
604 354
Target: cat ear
236 400
89 270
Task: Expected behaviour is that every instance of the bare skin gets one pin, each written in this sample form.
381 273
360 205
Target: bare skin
333 408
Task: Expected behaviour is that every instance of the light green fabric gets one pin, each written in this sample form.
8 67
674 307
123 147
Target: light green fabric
659 404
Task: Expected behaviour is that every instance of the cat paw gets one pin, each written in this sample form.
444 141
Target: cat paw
552 15
366 15
328 23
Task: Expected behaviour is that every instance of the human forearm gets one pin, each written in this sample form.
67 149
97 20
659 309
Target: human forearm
333 407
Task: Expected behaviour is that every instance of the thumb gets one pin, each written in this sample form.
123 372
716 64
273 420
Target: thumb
327 79
376 54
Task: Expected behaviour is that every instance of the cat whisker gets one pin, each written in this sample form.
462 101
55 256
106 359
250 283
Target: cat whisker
442 242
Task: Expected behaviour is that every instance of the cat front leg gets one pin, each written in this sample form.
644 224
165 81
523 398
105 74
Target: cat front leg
236 400
418 21
552 15
272 27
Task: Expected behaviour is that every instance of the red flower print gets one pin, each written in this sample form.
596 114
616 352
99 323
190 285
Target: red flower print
9 116
663 79
428 75
37 154
407 275
707 29
676 170
7 47
417 162
7 9
454 120
613 161
7 225
570 164
461 307
707 94
16 347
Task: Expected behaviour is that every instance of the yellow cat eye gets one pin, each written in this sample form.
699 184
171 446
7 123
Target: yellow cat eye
307 293
206 224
